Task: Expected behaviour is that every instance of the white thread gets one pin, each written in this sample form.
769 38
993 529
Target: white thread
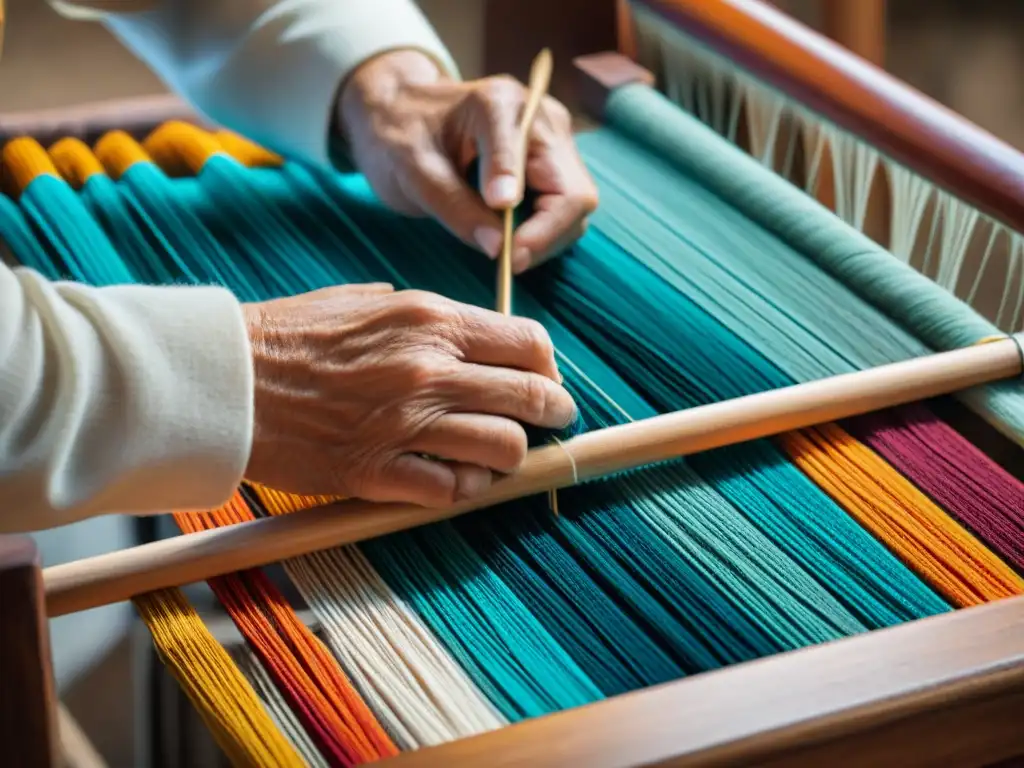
274 702
412 684
929 229
572 461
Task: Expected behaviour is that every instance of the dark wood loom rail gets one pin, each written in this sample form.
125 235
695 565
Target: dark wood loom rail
88 122
943 691
893 117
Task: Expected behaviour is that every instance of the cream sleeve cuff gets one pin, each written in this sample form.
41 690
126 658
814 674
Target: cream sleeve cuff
126 399
269 69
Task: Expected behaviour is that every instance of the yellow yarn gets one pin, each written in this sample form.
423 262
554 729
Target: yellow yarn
181 149
208 675
24 159
118 152
75 161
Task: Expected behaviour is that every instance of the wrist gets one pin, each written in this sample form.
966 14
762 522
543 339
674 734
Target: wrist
377 82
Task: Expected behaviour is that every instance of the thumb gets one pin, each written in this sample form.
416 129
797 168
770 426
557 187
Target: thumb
497 139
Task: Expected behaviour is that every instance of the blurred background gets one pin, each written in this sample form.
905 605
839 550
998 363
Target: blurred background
966 54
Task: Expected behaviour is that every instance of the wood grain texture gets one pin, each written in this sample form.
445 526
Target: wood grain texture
944 691
899 121
28 732
857 25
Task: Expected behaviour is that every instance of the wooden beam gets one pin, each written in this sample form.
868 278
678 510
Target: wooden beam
942 691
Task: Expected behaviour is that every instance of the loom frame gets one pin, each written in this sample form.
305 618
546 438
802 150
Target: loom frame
947 690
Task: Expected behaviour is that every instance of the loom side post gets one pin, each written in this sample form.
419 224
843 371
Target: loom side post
599 74
28 712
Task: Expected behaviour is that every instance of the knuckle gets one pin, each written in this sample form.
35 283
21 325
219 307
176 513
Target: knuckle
419 373
501 88
423 308
533 397
537 341
512 446
557 113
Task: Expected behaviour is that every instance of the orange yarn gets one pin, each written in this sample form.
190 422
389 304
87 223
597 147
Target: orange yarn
910 524
263 615
281 503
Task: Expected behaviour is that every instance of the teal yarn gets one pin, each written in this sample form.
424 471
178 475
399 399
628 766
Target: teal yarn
603 638
82 249
107 204
177 231
930 313
706 364
507 652
719 517
257 231
354 203
18 236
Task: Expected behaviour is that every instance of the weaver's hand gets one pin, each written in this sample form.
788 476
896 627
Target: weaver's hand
354 385
414 132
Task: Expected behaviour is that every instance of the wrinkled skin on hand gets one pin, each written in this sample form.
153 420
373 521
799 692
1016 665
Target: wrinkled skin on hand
355 385
414 132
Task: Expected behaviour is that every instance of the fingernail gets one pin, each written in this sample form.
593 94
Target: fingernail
572 419
472 483
503 192
489 240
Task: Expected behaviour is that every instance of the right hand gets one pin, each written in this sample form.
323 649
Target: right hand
356 384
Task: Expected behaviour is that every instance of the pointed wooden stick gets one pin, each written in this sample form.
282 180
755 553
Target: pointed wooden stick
540 78
110 578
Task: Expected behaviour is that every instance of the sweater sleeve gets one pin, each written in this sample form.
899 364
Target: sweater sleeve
123 399
271 69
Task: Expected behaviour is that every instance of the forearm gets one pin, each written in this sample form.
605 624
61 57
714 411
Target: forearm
126 399
273 69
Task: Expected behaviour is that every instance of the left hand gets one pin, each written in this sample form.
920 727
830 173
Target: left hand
413 132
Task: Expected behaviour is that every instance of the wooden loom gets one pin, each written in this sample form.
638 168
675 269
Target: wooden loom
948 690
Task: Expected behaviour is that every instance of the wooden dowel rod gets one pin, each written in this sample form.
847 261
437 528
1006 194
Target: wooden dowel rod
117 576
